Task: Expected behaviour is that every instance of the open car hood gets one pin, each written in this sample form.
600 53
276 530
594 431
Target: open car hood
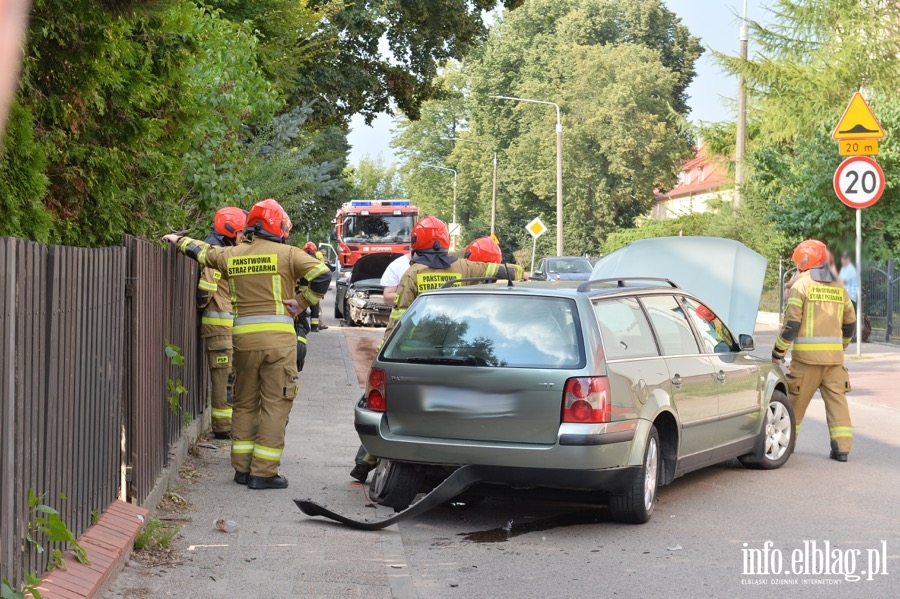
723 273
372 266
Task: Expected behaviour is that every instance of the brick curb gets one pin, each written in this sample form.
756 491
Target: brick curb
108 544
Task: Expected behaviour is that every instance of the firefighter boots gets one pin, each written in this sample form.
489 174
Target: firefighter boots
267 482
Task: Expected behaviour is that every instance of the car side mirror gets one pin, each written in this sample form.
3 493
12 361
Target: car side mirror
746 342
537 276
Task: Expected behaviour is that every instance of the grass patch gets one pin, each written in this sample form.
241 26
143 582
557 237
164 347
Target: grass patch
155 536
173 503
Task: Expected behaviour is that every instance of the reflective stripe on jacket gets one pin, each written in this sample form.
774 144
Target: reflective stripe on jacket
822 309
216 318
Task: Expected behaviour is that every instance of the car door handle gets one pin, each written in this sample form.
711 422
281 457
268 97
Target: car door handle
720 376
676 380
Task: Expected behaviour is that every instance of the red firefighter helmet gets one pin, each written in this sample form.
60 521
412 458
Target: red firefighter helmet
810 254
229 221
484 249
430 233
705 313
270 217
310 247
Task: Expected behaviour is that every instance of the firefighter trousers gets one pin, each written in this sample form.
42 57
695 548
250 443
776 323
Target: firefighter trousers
219 356
265 384
833 381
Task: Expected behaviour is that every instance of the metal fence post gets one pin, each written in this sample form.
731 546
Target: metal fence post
888 329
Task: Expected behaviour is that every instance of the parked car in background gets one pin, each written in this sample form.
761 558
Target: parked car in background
359 296
611 389
563 268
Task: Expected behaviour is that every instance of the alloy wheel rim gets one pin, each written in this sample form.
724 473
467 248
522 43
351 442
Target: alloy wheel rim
379 477
650 475
778 431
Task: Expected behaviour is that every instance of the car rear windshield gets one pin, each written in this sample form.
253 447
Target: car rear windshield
511 331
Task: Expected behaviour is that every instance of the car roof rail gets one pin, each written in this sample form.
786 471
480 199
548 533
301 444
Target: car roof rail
456 282
620 282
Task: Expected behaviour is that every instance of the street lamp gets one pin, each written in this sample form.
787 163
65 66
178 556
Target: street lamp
493 183
559 202
740 148
453 222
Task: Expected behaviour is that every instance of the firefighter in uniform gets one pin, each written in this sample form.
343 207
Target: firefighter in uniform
315 323
431 266
819 321
261 274
214 299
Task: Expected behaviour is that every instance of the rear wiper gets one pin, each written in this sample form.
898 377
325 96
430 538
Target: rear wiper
448 360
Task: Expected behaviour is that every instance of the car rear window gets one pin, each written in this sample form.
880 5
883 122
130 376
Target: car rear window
512 331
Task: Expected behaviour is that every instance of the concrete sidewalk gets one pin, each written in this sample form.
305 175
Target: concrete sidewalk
277 551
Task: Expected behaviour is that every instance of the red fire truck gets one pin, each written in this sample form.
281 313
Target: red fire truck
372 226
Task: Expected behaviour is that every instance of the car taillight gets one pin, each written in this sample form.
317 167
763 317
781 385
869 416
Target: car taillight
375 390
586 399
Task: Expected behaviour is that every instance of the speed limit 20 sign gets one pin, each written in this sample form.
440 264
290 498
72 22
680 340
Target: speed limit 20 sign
859 182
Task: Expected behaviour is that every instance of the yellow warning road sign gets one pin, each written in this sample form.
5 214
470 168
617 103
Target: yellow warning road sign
858 122
495 238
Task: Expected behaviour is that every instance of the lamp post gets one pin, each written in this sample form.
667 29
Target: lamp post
494 180
559 196
452 170
741 135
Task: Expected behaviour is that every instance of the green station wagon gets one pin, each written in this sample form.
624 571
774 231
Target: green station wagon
615 387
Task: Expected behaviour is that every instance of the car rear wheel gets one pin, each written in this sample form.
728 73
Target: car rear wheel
776 439
395 484
635 505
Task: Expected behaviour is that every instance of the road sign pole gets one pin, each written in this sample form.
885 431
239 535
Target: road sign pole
859 305
533 250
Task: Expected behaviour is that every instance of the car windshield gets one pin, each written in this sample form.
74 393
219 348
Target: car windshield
513 331
377 228
569 265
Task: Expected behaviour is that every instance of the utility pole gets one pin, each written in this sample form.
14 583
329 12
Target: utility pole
741 143
494 197
494 178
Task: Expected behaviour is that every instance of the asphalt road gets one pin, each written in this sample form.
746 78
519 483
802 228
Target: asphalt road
711 535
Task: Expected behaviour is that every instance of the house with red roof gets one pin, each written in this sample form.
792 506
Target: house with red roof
702 179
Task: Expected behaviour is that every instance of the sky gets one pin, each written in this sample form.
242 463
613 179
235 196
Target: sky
712 93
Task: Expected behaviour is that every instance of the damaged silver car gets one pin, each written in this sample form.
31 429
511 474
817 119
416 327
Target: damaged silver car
359 296
613 389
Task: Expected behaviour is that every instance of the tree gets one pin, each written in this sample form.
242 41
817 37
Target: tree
136 111
619 70
429 141
421 35
811 59
299 167
371 179
22 180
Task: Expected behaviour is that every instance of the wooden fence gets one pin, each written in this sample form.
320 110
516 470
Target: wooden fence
83 334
